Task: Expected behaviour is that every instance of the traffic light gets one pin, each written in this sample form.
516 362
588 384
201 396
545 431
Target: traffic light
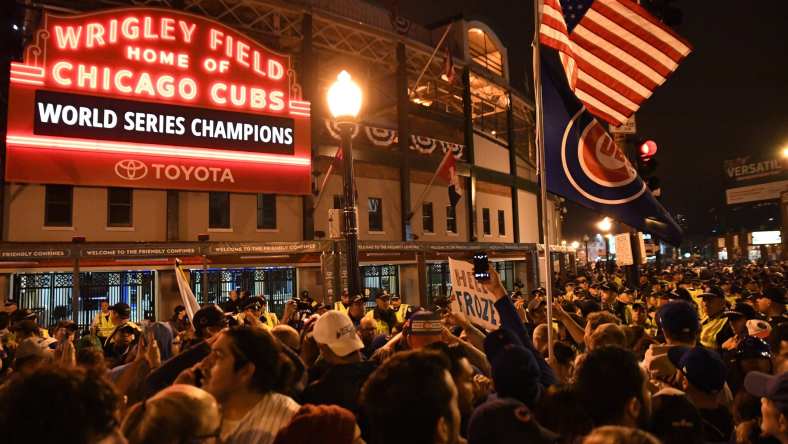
647 165
647 149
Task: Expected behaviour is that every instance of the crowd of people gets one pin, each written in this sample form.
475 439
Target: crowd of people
690 353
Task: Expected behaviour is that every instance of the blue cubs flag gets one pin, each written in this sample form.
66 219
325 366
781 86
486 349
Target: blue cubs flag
584 165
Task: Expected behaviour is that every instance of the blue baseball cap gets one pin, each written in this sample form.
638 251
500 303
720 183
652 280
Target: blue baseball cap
703 368
678 316
774 388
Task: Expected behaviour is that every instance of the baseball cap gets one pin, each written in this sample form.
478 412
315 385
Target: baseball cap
383 296
758 328
538 290
753 348
775 294
681 294
122 309
711 295
703 368
254 303
774 388
742 310
209 316
395 297
674 416
358 299
336 330
678 317
425 323
507 421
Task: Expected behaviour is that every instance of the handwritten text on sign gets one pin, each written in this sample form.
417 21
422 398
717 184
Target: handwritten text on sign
470 298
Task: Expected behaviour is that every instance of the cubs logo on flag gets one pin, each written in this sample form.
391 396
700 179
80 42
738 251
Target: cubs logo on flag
584 165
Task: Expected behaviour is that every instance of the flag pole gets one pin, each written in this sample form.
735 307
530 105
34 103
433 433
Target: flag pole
432 56
426 189
324 183
544 215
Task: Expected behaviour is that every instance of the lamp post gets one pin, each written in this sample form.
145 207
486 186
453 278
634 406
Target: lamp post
344 103
585 241
604 226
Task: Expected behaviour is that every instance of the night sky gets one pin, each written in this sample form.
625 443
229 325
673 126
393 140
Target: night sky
729 98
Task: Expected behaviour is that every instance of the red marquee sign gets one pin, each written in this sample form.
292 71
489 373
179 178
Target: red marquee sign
154 98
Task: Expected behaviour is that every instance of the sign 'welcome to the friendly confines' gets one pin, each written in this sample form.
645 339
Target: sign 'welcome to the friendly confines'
156 98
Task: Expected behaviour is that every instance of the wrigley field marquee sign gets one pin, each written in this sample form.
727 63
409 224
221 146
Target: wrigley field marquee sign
155 98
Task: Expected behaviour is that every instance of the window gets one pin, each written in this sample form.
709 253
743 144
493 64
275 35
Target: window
451 219
50 294
506 272
501 223
379 279
486 221
219 210
426 217
278 284
375 213
58 201
484 52
119 205
438 281
339 202
266 211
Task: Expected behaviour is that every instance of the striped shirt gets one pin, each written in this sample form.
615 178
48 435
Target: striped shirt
261 424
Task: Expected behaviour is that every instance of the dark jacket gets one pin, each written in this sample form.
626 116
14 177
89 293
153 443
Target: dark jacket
511 321
340 385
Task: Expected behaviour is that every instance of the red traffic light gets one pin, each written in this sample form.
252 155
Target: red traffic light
648 148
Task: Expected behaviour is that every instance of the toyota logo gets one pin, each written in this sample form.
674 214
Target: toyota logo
131 169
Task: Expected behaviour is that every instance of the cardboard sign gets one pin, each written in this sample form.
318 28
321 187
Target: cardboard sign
623 250
470 298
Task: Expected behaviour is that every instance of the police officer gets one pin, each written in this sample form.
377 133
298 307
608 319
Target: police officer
255 313
344 303
715 328
772 304
384 318
401 311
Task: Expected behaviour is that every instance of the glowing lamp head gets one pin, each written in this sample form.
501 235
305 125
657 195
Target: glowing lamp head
575 245
604 224
785 152
344 97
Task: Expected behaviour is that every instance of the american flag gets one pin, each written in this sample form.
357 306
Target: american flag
614 53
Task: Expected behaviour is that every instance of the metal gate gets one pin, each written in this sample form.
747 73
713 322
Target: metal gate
277 284
379 279
49 294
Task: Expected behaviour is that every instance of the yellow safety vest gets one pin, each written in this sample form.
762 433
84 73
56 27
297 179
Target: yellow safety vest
400 313
338 306
709 330
381 328
269 320
103 325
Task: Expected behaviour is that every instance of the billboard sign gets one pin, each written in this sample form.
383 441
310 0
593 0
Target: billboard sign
155 98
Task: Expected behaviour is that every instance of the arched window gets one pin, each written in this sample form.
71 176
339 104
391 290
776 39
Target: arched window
484 52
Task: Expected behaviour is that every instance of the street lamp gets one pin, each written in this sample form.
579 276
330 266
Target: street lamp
344 103
604 225
575 245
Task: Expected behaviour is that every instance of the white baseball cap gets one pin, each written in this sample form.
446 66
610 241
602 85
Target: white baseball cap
758 328
336 330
